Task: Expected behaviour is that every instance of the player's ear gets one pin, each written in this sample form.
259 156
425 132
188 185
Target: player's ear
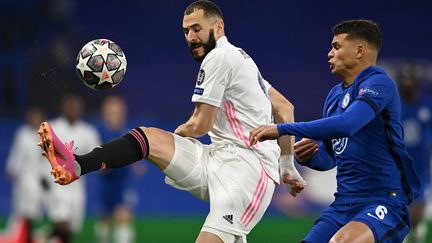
361 50
219 27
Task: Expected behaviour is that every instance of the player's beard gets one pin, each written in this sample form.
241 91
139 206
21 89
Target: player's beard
208 46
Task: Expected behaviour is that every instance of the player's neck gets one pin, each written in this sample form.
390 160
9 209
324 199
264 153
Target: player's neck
354 73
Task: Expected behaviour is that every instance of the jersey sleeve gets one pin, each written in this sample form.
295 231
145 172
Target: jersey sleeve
358 115
378 91
324 159
267 85
212 78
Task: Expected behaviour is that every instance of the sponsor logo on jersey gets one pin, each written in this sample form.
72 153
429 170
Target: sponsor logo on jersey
198 91
201 77
229 218
346 100
368 91
339 144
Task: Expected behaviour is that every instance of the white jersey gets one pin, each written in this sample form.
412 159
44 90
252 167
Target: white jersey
230 80
27 167
69 200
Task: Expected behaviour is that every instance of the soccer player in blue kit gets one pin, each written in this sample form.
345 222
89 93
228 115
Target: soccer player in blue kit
362 135
417 123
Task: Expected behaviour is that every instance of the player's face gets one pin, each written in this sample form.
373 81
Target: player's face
72 109
114 113
199 34
342 56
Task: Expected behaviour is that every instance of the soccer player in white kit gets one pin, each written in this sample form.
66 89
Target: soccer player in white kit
28 171
231 98
66 205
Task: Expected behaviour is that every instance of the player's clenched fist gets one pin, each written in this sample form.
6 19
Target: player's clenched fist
305 149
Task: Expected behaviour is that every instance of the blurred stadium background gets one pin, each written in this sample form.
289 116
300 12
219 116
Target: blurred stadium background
288 40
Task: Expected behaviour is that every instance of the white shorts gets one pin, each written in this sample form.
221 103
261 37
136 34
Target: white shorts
232 178
66 204
28 198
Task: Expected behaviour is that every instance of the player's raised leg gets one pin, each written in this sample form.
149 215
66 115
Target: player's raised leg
134 146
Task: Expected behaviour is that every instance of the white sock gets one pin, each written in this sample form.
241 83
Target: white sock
123 233
77 168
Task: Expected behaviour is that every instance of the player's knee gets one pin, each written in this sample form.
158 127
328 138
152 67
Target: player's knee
150 132
144 128
123 215
340 238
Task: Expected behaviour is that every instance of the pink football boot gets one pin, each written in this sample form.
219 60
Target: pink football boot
59 155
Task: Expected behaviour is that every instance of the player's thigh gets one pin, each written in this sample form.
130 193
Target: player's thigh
417 209
322 231
386 222
187 169
161 146
353 232
240 191
331 221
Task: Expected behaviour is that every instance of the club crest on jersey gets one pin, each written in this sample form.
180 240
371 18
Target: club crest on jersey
201 77
339 144
346 100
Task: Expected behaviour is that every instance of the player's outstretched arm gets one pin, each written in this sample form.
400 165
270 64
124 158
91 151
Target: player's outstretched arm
201 121
263 132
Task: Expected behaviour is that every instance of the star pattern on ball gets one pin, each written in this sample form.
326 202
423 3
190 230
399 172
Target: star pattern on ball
103 50
82 64
122 63
105 75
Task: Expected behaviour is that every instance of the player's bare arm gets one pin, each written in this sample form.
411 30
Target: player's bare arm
305 149
283 111
201 121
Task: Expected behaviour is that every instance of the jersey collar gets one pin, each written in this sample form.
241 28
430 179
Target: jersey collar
222 42
369 71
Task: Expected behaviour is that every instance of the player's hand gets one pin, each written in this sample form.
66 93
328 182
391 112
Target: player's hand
294 186
262 133
305 149
290 176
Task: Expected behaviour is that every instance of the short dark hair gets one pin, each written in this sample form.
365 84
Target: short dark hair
209 7
363 29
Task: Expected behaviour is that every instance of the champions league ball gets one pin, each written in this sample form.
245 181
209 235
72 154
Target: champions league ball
101 64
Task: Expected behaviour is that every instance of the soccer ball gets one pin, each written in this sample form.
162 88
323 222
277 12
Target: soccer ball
101 64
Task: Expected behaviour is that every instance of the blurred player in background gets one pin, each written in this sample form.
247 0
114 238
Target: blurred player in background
27 169
231 98
362 135
117 202
67 204
417 124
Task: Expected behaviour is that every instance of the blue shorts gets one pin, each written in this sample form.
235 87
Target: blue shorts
388 222
113 188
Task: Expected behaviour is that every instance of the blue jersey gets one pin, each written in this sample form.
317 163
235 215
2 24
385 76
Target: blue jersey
115 182
120 174
417 124
363 136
